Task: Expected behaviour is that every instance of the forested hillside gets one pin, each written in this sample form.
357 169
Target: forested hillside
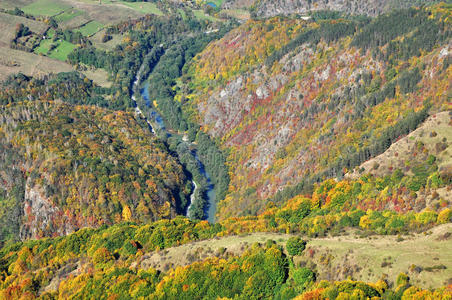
294 102
65 167
271 8
105 262
71 87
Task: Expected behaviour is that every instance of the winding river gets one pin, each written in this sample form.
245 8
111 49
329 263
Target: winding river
157 122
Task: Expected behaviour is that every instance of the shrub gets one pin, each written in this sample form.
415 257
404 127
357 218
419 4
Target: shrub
102 255
402 279
295 246
303 277
445 216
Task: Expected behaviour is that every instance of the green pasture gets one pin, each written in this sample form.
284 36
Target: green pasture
90 28
67 15
199 14
62 50
45 8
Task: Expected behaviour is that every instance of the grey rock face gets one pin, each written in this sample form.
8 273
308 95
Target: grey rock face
39 214
270 8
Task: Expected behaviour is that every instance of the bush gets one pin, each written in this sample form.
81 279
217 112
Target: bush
402 279
106 38
295 246
445 216
303 277
102 255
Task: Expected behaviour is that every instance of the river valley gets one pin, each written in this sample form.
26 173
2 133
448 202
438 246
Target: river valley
157 126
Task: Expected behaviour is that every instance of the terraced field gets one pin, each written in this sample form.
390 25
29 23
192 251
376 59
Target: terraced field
90 28
45 8
14 61
143 7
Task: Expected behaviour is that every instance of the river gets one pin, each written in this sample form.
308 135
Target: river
157 122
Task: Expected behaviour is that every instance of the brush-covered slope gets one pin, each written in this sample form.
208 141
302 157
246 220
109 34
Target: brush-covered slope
425 156
270 8
430 142
293 102
113 262
64 167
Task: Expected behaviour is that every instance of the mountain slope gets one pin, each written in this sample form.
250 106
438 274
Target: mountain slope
114 262
65 167
271 8
296 101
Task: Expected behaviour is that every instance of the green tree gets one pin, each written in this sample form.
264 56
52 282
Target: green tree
303 277
295 246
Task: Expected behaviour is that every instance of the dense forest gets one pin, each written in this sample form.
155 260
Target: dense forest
65 167
71 87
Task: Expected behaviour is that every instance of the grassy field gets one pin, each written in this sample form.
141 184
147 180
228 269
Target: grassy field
234 245
140 7
75 22
368 258
90 28
44 47
68 15
99 76
67 11
198 13
336 258
62 50
45 8
14 61
8 26
143 7
88 16
11 4
96 39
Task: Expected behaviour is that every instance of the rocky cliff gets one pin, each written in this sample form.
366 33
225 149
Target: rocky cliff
270 8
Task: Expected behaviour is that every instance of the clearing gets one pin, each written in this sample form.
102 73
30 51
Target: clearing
62 50
8 25
96 39
68 15
15 61
90 28
99 76
46 8
425 257
143 7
